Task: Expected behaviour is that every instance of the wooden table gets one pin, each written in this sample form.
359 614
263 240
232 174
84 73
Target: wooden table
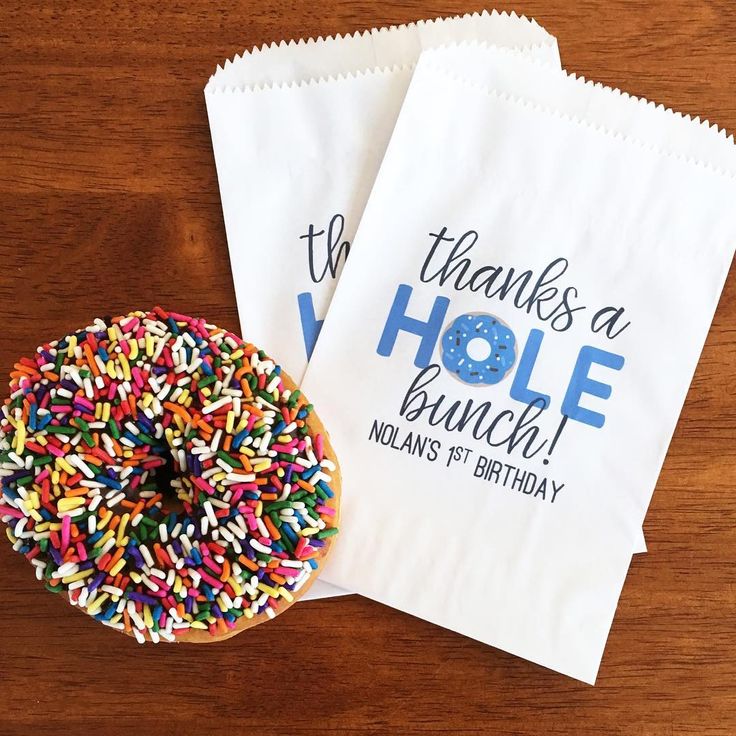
110 201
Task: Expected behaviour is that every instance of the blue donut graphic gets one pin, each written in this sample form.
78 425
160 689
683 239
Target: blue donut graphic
491 330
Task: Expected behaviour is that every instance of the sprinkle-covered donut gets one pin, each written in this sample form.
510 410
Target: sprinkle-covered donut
166 476
499 339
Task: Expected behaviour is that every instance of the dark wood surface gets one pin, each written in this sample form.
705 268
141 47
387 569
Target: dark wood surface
109 201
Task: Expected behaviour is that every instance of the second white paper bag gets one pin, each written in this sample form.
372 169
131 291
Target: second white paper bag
298 131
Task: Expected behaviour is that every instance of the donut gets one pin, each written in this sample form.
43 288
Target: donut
165 476
501 344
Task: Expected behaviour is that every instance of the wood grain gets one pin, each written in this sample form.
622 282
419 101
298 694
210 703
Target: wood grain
105 158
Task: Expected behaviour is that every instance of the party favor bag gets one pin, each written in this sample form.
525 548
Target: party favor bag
510 345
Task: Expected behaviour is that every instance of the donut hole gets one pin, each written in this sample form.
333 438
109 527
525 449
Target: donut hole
479 349
164 476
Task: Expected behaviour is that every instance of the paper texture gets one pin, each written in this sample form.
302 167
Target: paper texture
296 62
584 237
299 131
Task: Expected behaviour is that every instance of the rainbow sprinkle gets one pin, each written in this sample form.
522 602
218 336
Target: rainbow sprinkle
157 469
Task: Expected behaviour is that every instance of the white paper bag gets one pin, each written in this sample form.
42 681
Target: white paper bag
586 236
298 132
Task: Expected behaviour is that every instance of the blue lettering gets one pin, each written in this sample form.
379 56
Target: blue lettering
581 384
311 326
520 390
398 320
